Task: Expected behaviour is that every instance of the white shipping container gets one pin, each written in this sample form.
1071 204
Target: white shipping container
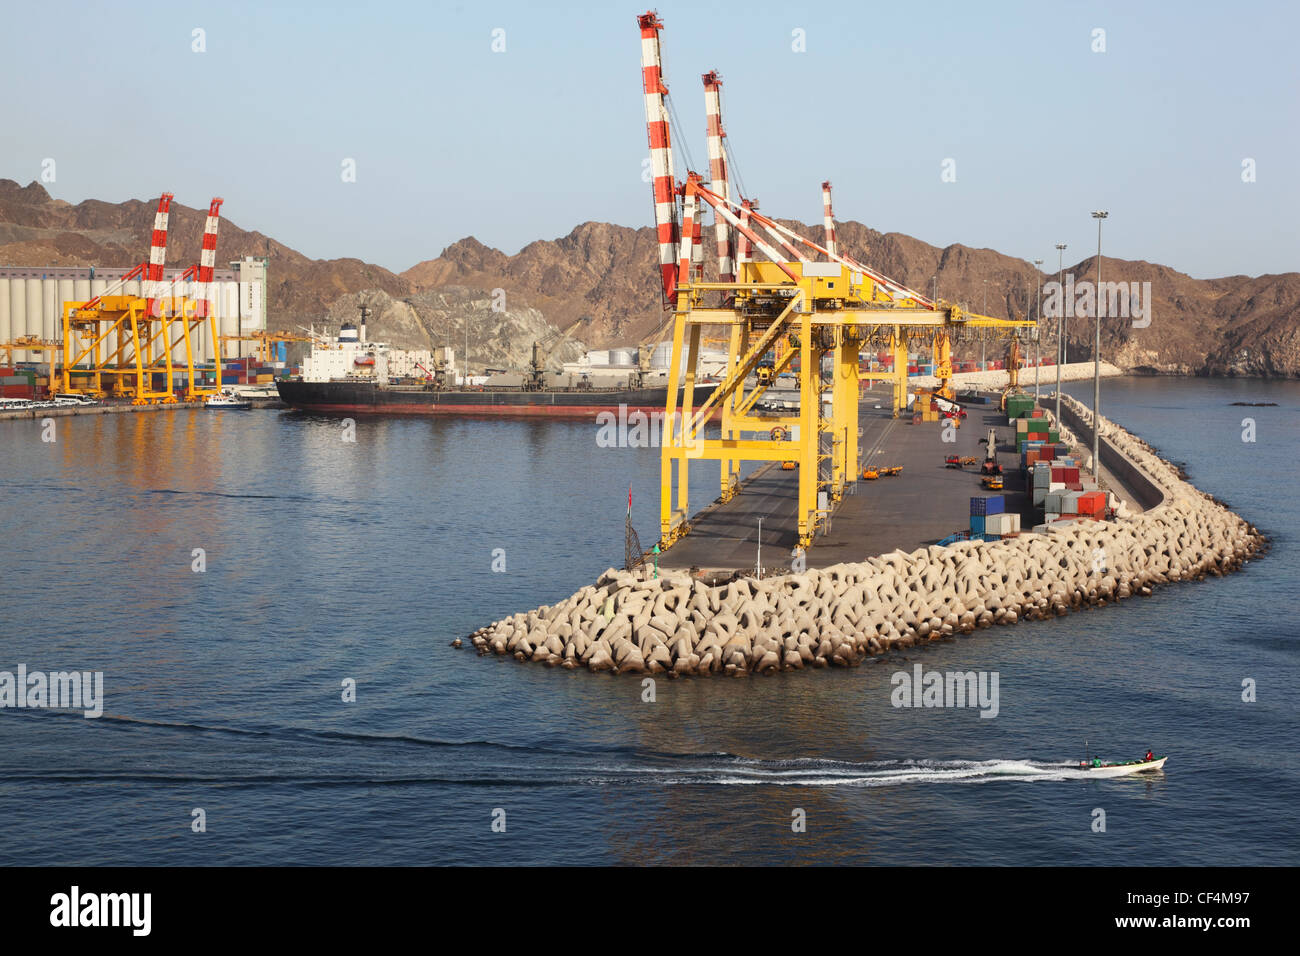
1056 486
1015 523
998 524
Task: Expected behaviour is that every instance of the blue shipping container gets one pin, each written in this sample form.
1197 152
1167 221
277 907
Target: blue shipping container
995 505
976 524
977 506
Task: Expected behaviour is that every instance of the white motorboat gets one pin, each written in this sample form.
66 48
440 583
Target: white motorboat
1097 768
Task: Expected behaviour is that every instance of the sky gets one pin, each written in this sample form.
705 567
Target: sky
1158 120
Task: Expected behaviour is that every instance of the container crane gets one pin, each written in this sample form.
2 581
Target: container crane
130 340
824 310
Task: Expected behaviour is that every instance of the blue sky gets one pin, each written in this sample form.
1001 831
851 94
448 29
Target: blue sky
451 139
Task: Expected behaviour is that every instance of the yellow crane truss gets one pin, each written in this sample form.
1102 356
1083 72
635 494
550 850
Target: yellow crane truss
826 312
112 344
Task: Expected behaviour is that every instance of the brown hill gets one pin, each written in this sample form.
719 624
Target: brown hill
600 281
604 278
36 230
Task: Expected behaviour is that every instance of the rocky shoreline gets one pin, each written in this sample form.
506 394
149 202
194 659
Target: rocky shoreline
836 616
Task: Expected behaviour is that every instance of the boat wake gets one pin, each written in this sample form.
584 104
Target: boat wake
739 771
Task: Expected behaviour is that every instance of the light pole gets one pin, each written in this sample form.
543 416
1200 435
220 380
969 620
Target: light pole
1038 325
1060 321
1099 215
934 288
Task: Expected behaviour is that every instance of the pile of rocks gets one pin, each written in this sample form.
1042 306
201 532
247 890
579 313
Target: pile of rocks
625 623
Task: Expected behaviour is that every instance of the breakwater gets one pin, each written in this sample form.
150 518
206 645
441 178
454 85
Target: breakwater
997 379
625 623
66 411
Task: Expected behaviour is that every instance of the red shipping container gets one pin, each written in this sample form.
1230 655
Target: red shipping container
1047 453
1093 503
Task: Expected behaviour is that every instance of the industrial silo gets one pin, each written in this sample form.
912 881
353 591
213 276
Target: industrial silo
4 311
50 310
228 313
18 314
98 287
35 315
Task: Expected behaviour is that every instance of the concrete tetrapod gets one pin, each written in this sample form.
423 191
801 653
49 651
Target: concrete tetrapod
835 616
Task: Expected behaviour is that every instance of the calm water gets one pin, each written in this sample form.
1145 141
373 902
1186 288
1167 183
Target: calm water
328 561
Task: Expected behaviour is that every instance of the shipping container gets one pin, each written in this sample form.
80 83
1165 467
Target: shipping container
1092 503
977 524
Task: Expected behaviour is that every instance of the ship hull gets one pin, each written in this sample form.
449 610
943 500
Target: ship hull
363 398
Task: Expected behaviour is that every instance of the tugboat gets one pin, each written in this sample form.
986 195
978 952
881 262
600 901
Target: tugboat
227 400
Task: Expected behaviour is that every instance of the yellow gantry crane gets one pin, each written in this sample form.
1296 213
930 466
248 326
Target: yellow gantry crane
111 344
266 341
805 303
29 343
826 313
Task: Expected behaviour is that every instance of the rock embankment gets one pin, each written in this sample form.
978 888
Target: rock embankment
996 380
835 616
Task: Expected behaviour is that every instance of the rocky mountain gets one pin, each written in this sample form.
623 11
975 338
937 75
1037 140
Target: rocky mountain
600 284
604 278
452 315
36 230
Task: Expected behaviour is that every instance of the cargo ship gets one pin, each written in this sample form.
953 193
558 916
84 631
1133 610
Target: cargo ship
350 375
358 397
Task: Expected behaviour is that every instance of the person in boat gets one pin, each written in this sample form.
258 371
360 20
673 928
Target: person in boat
1096 761
1150 756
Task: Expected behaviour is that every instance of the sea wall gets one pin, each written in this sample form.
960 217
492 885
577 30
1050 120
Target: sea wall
996 380
1078 422
67 411
835 616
